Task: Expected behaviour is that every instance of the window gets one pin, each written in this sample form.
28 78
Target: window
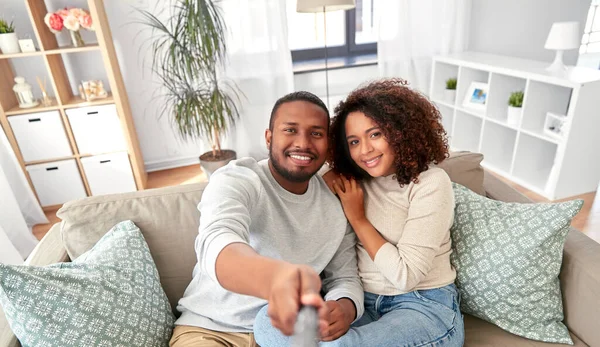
348 33
590 41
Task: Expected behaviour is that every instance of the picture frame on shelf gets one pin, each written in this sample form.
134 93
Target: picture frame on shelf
27 46
555 125
476 96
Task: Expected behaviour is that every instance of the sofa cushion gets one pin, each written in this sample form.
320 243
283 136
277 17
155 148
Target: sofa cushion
109 296
168 218
479 333
507 257
465 168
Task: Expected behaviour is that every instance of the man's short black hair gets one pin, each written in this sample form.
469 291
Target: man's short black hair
297 96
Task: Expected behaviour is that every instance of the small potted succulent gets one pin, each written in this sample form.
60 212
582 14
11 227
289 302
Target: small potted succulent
450 92
515 104
9 43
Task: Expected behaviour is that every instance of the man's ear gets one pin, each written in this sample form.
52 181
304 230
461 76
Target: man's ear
268 137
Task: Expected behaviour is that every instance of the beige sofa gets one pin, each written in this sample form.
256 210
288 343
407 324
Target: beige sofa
168 219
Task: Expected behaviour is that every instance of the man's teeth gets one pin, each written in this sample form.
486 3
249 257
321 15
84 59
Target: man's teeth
299 157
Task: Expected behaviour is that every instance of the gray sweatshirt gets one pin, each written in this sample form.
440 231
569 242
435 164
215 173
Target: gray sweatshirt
244 203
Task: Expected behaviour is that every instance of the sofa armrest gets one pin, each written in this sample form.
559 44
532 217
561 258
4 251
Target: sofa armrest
580 285
49 251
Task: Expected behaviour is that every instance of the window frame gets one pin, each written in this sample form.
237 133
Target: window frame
349 49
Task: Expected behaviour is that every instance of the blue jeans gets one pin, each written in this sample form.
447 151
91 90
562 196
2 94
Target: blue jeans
419 318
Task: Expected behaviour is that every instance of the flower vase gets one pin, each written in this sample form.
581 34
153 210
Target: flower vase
76 38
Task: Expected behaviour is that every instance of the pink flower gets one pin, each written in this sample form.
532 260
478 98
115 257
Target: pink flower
86 21
63 13
54 22
71 23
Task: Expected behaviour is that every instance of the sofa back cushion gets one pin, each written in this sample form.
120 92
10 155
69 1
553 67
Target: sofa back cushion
167 217
465 169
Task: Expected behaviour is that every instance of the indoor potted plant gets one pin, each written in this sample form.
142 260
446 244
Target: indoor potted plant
450 92
515 103
9 43
188 53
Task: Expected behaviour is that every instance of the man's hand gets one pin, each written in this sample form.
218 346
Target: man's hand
341 314
291 287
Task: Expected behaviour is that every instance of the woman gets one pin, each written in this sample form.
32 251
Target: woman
384 140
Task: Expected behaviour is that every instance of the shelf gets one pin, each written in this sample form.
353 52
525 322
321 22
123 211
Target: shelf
540 135
444 103
534 160
466 132
497 145
77 102
21 55
18 111
49 160
475 113
442 72
501 87
71 49
501 123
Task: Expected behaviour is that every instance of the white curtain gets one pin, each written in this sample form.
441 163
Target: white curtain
411 32
19 209
260 63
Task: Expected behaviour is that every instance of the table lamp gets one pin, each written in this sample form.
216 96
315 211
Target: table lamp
316 6
562 36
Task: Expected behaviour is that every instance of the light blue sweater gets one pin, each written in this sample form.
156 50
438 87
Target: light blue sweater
244 203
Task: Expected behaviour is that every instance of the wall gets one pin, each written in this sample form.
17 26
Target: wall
519 27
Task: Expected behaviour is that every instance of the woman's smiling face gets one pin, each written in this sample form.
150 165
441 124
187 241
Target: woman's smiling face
368 147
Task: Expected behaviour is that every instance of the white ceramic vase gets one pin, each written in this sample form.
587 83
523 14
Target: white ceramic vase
450 95
514 115
9 43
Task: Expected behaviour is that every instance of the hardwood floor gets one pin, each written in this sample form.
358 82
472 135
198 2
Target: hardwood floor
588 220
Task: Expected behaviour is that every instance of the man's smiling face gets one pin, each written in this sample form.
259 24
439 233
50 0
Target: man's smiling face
298 141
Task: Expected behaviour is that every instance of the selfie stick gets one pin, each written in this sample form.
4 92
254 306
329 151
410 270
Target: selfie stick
306 329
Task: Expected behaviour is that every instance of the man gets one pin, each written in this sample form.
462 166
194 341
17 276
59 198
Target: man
268 229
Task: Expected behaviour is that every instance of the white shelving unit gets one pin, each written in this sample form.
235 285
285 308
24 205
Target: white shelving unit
555 167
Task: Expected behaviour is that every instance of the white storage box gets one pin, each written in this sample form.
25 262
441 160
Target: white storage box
57 182
41 136
97 129
109 173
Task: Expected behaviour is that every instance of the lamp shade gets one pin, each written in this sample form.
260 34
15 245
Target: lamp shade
563 36
313 6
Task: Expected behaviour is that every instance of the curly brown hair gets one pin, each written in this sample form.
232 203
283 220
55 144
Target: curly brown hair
409 121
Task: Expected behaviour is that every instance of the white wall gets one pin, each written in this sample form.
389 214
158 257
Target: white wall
519 27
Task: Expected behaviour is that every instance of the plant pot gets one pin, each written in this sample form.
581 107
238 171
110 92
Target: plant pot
514 115
210 163
9 43
450 95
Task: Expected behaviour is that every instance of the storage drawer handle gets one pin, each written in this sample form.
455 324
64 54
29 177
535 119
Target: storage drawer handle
52 168
94 112
34 120
104 161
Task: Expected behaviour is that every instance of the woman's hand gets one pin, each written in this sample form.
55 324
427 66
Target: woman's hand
352 197
329 177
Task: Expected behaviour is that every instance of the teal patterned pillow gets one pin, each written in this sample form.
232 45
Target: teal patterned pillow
507 257
109 296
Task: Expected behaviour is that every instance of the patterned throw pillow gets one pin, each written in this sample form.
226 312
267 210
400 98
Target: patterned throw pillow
110 296
507 258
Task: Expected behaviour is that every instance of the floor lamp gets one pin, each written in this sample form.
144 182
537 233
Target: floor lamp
317 6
